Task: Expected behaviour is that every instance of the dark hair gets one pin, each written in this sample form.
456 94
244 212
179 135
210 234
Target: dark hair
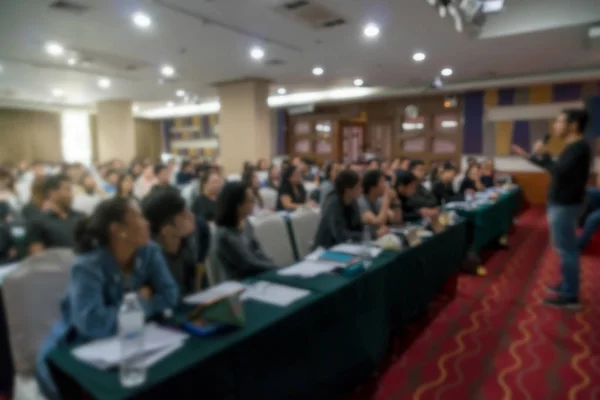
185 164
8 178
448 167
161 207
247 178
122 177
230 198
287 173
159 168
404 178
95 230
414 164
371 179
470 168
577 116
346 179
53 182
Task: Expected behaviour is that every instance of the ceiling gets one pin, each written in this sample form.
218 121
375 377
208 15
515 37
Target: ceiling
208 41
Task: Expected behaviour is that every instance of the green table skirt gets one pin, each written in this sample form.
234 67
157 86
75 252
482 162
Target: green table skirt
316 348
488 223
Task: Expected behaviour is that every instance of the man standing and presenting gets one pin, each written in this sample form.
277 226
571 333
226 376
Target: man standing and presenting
569 177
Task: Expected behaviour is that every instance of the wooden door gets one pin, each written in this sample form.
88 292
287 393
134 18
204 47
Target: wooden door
314 138
379 137
353 136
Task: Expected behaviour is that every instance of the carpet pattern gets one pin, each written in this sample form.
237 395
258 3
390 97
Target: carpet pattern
496 340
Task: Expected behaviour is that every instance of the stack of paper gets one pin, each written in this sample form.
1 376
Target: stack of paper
273 293
309 268
216 292
159 342
356 249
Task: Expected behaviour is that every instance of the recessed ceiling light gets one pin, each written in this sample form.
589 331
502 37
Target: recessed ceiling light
318 71
72 61
257 53
446 72
141 20
419 56
55 49
104 83
358 82
180 93
58 93
371 31
281 91
170 104
167 70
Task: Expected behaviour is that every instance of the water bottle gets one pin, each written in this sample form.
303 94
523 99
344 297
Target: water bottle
132 371
365 254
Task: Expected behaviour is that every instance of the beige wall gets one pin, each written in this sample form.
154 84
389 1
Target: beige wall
147 138
116 133
29 135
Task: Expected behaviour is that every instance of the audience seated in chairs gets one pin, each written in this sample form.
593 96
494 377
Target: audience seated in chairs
205 205
250 179
406 187
125 187
88 196
443 189
55 226
144 183
172 227
326 186
291 193
340 216
273 178
472 181
114 240
488 175
375 203
423 201
235 253
34 208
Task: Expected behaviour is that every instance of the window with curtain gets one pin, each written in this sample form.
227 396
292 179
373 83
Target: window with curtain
76 137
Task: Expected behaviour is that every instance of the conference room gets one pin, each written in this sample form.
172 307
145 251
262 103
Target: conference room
299 199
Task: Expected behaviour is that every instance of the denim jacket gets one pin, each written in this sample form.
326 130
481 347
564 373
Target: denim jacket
90 307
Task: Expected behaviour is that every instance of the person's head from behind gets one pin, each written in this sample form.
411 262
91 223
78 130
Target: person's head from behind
162 174
448 173
292 175
406 183
125 185
570 122
168 216
211 183
474 172
374 183
250 178
417 168
234 204
347 186
117 224
59 191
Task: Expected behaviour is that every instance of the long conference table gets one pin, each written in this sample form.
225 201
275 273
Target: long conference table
315 348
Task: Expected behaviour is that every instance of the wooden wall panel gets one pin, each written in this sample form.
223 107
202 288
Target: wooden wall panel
147 139
29 135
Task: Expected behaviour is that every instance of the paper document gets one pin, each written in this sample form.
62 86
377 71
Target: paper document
7 269
355 249
221 290
309 268
315 255
106 353
273 293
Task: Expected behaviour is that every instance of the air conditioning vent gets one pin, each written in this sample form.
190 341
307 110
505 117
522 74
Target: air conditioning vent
313 15
275 62
294 5
69 7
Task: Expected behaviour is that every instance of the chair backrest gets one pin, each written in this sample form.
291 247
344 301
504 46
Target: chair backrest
272 233
32 294
269 197
304 223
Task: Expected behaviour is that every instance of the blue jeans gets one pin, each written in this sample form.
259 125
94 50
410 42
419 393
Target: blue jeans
563 221
591 225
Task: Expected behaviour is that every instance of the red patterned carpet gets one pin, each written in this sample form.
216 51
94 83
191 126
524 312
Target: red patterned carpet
497 340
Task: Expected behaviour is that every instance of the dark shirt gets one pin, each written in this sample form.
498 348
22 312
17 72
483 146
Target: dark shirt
298 196
183 178
409 213
205 208
236 254
340 223
467 184
423 198
570 173
444 192
488 181
182 265
53 231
